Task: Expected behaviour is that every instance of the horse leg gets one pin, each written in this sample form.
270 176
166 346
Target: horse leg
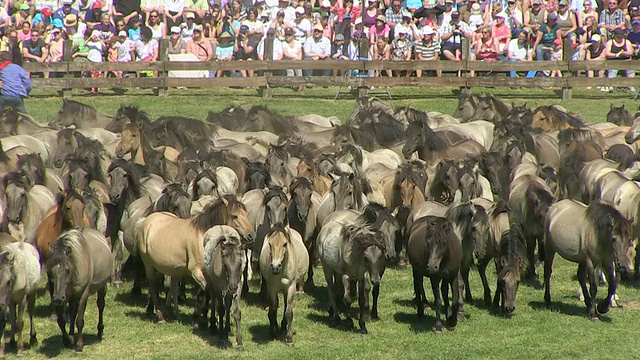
418 289
463 282
308 285
437 302
498 295
247 272
213 324
347 299
334 316
531 255
456 312
444 296
609 273
31 302
374 308
82 305
236 317
3 323
593 290
50 288
582 279
12 322
291 292
20 324
154 302
67 341
100 302
227 298
273 315
548 263
363 303
220 311
201 280
172 296
73 314
482 271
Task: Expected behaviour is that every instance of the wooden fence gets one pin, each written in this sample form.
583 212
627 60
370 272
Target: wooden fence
271 74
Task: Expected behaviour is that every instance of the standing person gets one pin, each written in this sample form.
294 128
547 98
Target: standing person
15 84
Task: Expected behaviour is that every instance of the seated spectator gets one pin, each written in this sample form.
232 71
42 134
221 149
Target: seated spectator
74 28
55 45
125 9
476 20
634 38
353 50
451 35
255 26
617 49
43 19
339 49
105 29
65 10
371 14
147 46
292 50
535 16
427 49
347 8
589 28
22 15
612 18
381 51
224 50
198 7
487 48
567 21
200 47
5 20
595 51
547 33
465 10
556 55
25 31
176 44
134 31
34 49
302 26
327 25
92 18
157 26
317 48
211 23
10 40
413 34
244 48
80 48
96 46
519 49
122 50
500 33
380 29
188 26
589 11
277 52
394 14
401 47
147 7
279 25
514 18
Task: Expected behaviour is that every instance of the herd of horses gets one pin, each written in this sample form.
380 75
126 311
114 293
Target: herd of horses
249 194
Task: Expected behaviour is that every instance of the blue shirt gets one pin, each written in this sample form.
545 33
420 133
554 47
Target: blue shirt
16 81
59 14
39 18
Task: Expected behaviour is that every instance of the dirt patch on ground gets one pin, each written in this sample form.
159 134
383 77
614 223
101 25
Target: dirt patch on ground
633 305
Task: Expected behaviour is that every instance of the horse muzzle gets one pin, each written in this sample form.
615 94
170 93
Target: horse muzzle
276 268
58 301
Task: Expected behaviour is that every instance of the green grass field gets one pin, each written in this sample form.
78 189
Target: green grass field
534 332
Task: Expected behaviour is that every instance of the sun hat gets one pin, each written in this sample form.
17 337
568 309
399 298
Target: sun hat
225 34
501 15
57 23
403 30
71 20
67 2
475 8
318 27
176 30
122 33
381 18
596 38
428 30
190 15
300 10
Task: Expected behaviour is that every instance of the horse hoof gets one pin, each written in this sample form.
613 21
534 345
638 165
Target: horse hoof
437 331
53 317
78 350
240 348
364 331
33 341
375 317
603 308
289 344
162 321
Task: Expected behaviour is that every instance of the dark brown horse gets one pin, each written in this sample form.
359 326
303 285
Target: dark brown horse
510 262
619 116
436 252
432 148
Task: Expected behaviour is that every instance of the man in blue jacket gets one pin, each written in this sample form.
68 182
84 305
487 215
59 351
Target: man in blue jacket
15 84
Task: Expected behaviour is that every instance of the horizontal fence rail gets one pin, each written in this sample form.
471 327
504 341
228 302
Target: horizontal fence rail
67 75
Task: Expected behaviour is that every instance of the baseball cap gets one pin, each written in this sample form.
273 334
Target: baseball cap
46 12
299 10
501 15
197 27
318 27
618 31
596 38
57 23
122 33
245 29
325 4
428 30
635 22
356 34
190 15
67 2
455 14
97 5
176 30
381 18
339 37
403 30
24 6
563 2
536 2
289 32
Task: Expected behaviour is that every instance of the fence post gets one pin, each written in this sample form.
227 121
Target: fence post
363 53
567 57
465 90
67 53
268 56
163 47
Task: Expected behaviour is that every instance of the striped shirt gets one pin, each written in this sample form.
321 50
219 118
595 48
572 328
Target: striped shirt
609 19
428 51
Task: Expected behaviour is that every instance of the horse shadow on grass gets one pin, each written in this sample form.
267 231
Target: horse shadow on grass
260 334
417 325
52 346
126 298
566 309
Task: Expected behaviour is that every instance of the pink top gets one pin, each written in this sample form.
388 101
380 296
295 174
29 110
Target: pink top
23 36
383 32
499 31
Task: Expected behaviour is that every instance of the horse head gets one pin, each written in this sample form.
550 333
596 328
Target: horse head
634 133
71 207
130 140
176 200
512 260
466 108
205 183
439 231
16 191
67 145
33 166
231 249
9 118
61 265
276 203
619 116
371 244
300 193
278 239
380 219
79 176
415 138
238 217
257 176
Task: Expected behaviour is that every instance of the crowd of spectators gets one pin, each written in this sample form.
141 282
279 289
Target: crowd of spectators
324 30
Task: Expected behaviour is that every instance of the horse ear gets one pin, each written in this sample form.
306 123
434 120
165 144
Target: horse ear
611 106
225 201
52 246
504 262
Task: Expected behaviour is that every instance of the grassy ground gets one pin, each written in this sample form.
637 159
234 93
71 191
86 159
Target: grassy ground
534 332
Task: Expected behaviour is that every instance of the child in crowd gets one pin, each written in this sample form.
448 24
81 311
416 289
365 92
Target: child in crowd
134 31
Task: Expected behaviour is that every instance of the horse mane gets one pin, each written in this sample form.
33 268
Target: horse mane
500 105
278 228
553 112
607 220
500 207
350 233
431 140
375 214
187 131
216 212
300 182
567 136
204 173
134 114
514 251
387 131
462 214
68 240
366 140
76 106
257 167
275 191
3 155
406 172
169 194
354 150
36 161
134 173
278 151
437 230
281 124
17 178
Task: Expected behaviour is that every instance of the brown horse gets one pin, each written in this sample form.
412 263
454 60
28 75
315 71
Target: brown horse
552 117
173 246
432 148
308 168
162 160
68 213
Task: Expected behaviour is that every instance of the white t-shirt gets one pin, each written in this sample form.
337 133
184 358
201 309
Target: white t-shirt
146 49
520 52
95 51
124 50
302 29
